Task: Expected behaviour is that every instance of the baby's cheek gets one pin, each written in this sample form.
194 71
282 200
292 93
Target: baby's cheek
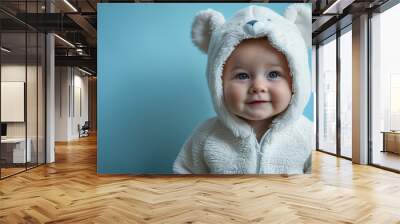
233 95
283 97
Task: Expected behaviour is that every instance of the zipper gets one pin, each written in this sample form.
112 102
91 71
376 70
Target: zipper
258 149
258 156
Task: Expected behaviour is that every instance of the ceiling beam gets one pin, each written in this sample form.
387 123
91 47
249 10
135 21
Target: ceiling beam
84 61
84 24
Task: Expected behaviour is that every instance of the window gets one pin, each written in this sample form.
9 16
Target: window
327 96
346 75
385 89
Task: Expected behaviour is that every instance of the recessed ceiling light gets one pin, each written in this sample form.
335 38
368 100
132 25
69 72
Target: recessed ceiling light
5 50
70 5
64 40
337 7
84 71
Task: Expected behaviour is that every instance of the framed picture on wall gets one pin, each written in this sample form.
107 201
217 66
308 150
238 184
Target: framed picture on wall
205 88
12 101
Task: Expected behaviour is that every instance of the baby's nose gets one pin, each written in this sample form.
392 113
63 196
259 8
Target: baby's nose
258 87
256 90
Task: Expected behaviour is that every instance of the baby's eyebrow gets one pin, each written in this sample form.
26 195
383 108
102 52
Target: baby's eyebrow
237 67
270 67
276 66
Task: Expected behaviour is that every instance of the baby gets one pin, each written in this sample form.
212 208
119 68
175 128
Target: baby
259 80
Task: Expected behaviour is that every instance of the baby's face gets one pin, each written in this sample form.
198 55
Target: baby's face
256 81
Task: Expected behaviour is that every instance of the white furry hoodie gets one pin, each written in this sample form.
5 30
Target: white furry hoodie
228 145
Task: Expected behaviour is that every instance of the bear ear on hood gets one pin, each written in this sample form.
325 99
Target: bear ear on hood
205 22
300 15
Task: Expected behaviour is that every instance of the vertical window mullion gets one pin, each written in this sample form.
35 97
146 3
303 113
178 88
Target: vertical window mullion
369 100
37 90
317 96
26 86
338 82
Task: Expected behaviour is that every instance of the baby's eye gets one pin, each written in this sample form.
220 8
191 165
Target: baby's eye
242 76
273 75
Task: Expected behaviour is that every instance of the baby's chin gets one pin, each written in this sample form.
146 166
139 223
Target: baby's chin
254 118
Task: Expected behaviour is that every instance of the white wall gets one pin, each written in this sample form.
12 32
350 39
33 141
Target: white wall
79 112
10 73
17 73
70 83
62 81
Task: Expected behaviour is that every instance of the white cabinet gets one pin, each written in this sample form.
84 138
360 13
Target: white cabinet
18 149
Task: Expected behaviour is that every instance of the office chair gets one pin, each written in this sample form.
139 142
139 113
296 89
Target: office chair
84 130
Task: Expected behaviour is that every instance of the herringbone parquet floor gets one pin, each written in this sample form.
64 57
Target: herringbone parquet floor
70 191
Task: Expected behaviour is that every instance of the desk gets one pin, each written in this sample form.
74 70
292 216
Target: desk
15 148
391 141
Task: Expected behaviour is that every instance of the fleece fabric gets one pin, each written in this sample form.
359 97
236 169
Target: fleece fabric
226 144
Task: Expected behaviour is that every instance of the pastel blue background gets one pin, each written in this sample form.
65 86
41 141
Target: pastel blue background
152 89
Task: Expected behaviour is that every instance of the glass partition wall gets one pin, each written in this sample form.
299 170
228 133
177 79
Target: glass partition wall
22 87
13 89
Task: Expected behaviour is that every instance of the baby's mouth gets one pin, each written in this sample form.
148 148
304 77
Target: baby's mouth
257 102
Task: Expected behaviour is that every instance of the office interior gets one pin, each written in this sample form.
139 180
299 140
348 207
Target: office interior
48 79
357 83
49 74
